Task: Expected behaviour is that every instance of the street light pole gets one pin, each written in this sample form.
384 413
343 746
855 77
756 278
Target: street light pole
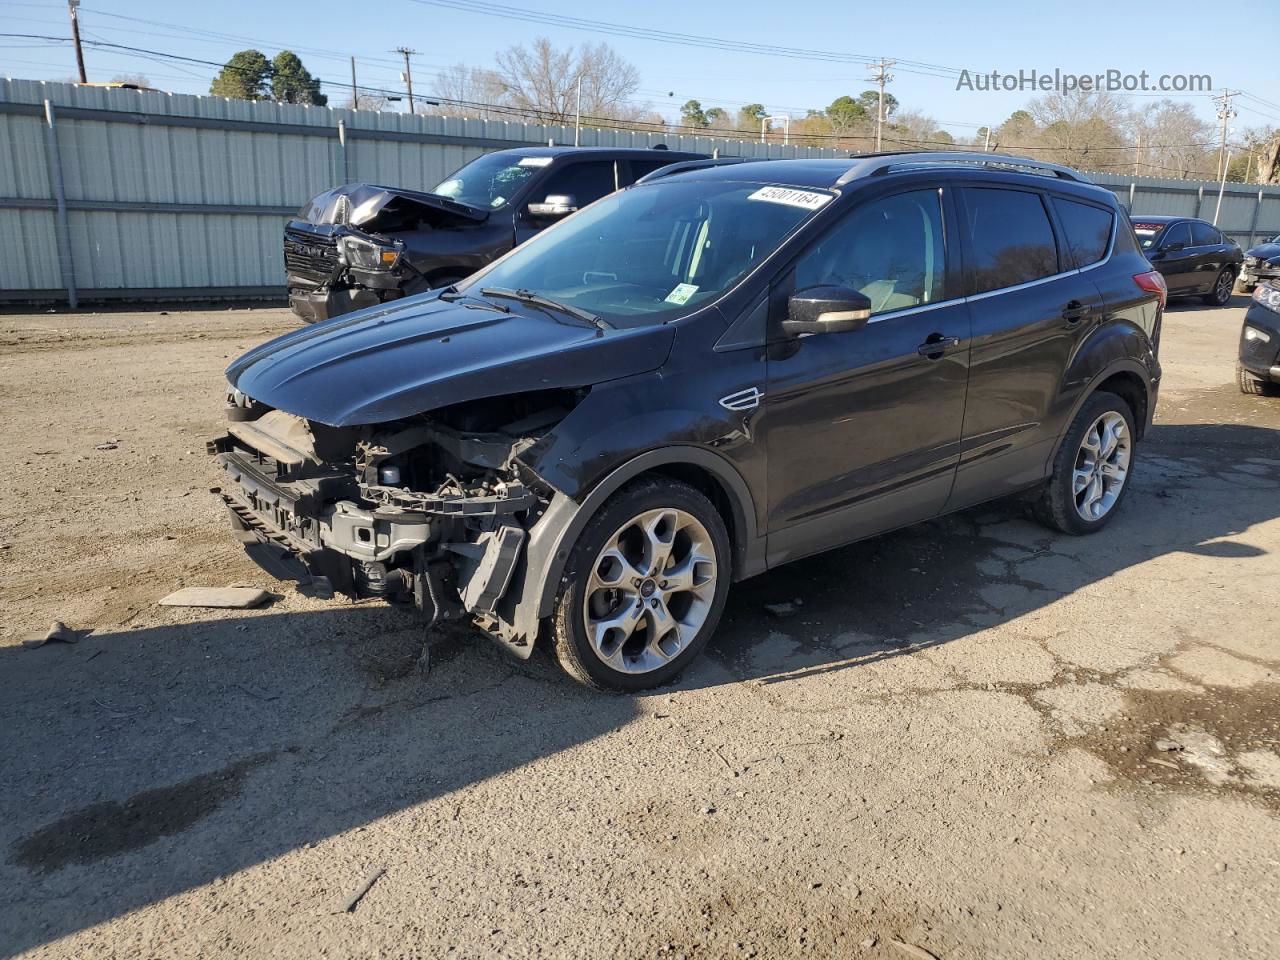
577 122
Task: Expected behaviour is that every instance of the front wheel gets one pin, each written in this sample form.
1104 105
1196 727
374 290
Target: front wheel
1092 469
1220 295
644 587
1251 385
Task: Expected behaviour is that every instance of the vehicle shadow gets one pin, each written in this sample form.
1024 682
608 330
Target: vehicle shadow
220 744
923 586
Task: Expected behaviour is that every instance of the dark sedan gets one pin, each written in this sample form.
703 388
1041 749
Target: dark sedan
1258 370
1193 255
1261 263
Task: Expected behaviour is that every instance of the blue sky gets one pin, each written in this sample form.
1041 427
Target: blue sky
1093 37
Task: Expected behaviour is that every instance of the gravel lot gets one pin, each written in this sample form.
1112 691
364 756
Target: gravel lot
950 741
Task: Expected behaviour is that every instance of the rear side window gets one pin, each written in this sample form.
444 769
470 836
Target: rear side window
1087 229
1203 235
1010 238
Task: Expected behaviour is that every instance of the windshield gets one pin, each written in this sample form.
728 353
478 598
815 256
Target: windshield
491 181
1147 233
656 251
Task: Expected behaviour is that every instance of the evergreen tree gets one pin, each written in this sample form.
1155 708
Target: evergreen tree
292 83
244 77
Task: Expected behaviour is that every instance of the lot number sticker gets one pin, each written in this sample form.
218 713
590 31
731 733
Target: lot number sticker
806 199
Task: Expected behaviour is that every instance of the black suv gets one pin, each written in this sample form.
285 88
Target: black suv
694 380
1193 256
361 245
1258 367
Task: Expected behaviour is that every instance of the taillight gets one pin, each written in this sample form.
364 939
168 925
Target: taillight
1153 282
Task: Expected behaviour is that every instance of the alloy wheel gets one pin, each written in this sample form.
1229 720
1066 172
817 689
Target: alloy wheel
1102 466
650 590
1223 290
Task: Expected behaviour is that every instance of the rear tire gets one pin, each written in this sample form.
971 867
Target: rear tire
623 618
1251 385
1220 295
1093 469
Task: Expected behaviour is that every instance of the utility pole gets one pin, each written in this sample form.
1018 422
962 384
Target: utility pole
1137 155
881 76
408 72
355 93
986 147
75 37
1225 113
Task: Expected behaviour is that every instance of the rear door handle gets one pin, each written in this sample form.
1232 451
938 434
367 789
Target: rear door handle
935 345
1074 311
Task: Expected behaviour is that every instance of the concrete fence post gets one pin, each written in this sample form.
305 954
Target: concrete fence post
1253 222
345 159
62 228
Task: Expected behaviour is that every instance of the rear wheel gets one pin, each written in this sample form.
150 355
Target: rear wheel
1092 469
1220 295
1252 385
644 587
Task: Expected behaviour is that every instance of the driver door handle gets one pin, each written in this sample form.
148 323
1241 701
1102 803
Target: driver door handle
935 345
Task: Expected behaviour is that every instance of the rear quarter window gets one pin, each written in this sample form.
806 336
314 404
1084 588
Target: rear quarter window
1087 230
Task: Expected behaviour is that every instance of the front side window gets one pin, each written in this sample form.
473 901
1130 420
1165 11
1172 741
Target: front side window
1010 238
1178 233
891 250
585 182
1087 229
491 181
654 252
1203 235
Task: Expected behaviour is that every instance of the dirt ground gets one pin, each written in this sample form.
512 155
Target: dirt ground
953 740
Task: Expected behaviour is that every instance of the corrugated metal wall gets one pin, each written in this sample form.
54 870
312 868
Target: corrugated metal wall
166 194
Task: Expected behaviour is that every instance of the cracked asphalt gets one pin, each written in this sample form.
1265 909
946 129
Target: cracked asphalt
973 737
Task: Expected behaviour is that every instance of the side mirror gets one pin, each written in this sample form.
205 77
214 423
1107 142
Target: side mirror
826 310
555 206
1173 247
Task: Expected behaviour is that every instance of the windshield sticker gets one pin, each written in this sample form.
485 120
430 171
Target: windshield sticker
682 293
806 199
534 161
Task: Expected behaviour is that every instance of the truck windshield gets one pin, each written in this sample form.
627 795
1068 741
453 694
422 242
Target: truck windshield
654 252
491 181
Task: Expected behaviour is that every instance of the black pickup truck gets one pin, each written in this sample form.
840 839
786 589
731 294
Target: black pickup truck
360 245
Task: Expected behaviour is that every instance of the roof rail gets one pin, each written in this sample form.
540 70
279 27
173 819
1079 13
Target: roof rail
683 166
882 163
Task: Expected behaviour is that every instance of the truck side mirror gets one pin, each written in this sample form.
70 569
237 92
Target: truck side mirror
554 207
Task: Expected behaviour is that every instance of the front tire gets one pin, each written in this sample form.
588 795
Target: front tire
1251 385
1220 295
644 587
1092 471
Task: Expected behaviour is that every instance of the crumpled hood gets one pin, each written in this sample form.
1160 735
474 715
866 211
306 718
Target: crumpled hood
361 204
390 362
1264 251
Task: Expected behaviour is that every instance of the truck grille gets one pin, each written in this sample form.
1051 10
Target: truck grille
310 255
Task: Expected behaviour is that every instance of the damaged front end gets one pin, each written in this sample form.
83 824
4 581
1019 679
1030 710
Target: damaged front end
359 245
431 511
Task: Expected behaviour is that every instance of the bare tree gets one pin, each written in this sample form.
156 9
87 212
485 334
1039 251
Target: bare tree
365 101
1082 129
1171 141
473 92
542 80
